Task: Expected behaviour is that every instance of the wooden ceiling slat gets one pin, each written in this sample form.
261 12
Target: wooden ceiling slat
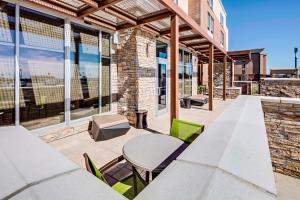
99 23
101 5
190 37
155 16
119 15
54 7
182 28
91 3
199 44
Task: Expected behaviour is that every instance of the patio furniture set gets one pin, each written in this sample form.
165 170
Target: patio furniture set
146 153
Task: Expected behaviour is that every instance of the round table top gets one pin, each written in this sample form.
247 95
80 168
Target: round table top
147 152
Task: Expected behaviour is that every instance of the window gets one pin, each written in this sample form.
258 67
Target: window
210 24
185 74
161 50
222 38
85 60
221 19
211 3
41 69
7 65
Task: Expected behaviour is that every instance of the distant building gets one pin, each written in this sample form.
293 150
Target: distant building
284 73
252 68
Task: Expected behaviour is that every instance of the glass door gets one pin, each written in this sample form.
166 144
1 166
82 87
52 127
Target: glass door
162 89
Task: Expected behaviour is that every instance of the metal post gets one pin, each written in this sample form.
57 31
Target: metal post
68 73
17 66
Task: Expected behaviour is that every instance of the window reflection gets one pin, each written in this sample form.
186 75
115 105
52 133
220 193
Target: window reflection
85 72
7 75
41 69
105 71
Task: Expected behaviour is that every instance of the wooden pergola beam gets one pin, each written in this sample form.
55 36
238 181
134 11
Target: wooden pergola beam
190 37
172 6
182 28
155 16
101 5
210 77
224 76
120 15
100 23
174 114
91 3
198 44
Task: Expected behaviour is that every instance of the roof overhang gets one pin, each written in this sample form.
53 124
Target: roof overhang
154 16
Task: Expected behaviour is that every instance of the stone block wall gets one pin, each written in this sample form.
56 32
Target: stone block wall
282 120
136 73
277 87
218 74
231 93
127 74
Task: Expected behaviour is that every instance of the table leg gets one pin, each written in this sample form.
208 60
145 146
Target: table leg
147 177
134 180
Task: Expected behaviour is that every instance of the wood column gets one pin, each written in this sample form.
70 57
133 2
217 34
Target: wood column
210 77
224 76
174 68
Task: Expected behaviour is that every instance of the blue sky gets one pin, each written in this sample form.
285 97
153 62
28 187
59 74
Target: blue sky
270 24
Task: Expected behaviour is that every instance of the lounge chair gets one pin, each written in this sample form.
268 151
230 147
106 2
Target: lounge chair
105 127
186 131
199 100
91 167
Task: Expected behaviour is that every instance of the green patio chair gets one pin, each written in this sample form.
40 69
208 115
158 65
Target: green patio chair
186 131
91 167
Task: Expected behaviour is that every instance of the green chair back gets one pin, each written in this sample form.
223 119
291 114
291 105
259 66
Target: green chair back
92 168
185 131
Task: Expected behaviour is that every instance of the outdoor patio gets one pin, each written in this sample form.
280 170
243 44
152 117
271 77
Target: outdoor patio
75 140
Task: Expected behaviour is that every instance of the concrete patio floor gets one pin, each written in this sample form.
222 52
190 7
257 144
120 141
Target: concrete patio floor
77 141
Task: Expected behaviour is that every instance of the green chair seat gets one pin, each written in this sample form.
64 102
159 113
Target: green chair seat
186 131
91 167
121 187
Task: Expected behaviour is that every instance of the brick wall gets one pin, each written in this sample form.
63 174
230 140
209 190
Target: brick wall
277 87
282 119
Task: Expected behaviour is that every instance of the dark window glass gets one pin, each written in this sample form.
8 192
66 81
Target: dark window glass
7 66
41 69
85 59
161 50
105 85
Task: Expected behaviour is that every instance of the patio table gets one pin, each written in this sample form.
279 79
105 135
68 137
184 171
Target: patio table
150 153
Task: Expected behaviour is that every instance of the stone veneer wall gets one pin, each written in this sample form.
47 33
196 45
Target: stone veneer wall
136 73
231 93
127 74
218 74
280 87
282 120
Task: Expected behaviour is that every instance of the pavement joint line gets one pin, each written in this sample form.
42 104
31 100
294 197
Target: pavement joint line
38 182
